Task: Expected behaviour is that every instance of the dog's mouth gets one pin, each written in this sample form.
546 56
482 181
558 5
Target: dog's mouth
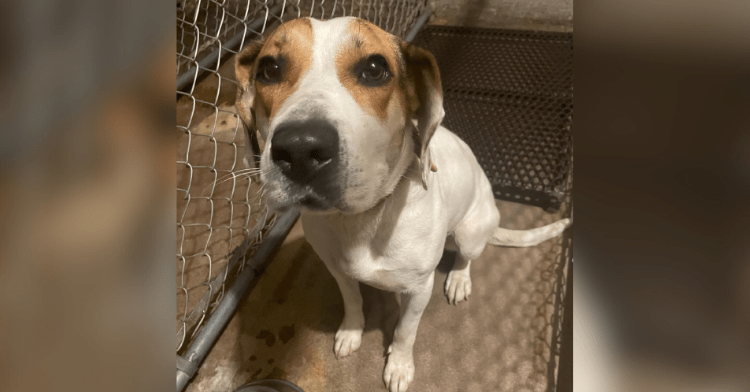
287 195
316 193
314 203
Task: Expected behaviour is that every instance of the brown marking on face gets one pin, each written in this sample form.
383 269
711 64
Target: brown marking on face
245 62
292 42
367 39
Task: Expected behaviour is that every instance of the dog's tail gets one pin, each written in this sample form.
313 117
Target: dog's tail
523 238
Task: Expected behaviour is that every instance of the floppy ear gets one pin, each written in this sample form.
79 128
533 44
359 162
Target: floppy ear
424 92
243 70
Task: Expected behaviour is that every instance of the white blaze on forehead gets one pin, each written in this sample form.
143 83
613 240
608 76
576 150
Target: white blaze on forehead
328 38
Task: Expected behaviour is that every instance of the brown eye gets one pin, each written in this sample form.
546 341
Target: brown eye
269 70
373 71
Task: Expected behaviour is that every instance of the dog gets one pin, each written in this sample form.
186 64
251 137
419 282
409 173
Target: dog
350 116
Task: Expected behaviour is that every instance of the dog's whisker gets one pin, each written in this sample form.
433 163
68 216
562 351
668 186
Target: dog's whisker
239 173
232 176
250 170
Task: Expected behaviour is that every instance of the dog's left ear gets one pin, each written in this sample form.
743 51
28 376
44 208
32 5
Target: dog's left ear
424 92
243 71
243 68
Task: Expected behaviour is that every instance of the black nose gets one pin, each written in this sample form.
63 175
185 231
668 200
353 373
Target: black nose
303 150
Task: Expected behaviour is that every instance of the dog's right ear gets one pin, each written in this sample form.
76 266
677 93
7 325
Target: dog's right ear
425 96
243 71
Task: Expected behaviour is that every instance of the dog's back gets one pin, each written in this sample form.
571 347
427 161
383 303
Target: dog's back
462 184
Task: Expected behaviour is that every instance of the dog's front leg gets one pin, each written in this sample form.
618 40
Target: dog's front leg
349 335
399 370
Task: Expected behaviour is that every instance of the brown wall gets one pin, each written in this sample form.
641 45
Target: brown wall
551 15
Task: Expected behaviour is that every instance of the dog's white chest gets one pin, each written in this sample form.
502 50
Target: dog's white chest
382 272
393 259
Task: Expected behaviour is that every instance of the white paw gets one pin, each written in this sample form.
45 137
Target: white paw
458 286
399 372
348 338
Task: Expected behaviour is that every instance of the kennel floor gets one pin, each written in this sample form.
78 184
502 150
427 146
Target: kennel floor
500 340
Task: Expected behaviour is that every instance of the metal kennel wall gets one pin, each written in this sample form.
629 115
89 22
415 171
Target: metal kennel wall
225 234
509 95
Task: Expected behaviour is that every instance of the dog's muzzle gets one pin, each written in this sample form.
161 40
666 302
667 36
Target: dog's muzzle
307 153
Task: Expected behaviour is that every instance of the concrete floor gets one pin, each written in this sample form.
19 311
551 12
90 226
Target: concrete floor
497 341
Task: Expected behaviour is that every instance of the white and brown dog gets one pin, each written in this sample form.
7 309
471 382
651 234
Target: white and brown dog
379 192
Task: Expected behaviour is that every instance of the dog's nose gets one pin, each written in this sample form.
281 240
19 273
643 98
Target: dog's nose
302 149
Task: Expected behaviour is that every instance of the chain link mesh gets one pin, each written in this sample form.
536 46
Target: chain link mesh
221 218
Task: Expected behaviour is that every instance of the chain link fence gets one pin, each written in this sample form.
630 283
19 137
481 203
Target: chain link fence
221 218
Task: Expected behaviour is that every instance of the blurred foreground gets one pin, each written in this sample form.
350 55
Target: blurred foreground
87 196
662 154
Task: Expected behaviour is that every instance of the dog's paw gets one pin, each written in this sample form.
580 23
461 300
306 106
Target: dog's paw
458 286
399 371
348 338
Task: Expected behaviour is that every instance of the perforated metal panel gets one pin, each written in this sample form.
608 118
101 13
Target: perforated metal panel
509 95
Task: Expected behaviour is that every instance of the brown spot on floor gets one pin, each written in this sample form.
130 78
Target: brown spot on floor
286 333
269 337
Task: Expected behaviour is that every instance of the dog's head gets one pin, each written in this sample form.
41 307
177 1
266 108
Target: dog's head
334 102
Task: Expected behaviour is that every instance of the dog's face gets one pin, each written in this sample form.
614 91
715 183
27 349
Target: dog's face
334 101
